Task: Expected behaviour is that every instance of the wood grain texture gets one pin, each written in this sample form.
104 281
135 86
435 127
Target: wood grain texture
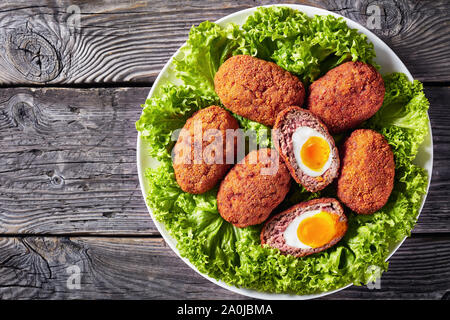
417 31
69 192
111 268
68 162
79 42
437 203
145 268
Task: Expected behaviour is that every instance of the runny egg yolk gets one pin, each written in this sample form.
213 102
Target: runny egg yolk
318 230
315 152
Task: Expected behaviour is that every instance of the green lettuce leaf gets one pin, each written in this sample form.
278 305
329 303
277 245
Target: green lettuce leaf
403 117
207 48
168 111
307 47
256 131
202 236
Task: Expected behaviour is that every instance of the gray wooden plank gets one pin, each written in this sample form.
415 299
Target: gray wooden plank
417 31
111 268
68 162
145 268
78 42
437 203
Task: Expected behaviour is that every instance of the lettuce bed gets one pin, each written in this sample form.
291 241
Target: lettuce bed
307 47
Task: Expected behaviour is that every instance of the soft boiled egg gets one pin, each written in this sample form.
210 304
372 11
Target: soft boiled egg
306 228
312 229
312 151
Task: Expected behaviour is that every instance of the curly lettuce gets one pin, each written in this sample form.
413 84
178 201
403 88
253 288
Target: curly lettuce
307 47
403 117
168 110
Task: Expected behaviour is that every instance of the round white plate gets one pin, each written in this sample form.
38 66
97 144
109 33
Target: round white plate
388 61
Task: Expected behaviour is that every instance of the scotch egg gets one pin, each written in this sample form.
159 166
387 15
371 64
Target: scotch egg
306 228
306 147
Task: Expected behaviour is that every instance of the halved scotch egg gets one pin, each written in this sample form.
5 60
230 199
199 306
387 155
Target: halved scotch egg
306 228
306 147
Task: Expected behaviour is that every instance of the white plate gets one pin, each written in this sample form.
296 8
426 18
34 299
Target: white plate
388 61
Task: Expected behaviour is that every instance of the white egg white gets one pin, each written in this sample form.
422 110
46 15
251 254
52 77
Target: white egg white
300 136
290 234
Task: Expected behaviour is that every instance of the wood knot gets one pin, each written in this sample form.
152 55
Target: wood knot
386 18
22 111
33 56
56 180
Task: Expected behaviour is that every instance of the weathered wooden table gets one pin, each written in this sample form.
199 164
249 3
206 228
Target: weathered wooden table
73 75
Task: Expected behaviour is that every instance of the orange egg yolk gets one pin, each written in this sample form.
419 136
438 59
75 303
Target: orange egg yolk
315 153
318 230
